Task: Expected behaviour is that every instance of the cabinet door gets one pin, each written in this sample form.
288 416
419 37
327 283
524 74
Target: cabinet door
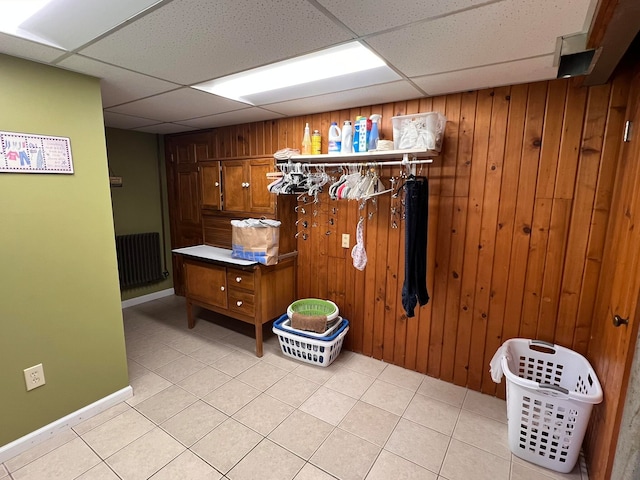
260 199
202 148
206 283
210 185
192 148
187 197
235 186
184 153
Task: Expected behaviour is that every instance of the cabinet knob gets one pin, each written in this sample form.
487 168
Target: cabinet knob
239 303
247 184
216 184
618 320
244 184
238 279
222 288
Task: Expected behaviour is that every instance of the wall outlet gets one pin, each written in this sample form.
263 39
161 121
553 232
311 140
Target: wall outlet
34 377
346 238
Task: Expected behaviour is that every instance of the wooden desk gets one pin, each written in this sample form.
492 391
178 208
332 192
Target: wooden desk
240 289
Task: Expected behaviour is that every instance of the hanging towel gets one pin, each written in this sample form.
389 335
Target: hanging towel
359 254
496 363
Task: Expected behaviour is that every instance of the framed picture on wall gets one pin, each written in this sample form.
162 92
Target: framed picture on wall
28 153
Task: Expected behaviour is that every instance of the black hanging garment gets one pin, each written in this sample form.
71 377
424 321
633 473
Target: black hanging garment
414 289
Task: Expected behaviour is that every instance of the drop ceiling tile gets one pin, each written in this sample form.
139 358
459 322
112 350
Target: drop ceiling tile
190 41
510 73
499 32
179 105
164 128
117 84
118 120
388 92
252 114
19 47
382 14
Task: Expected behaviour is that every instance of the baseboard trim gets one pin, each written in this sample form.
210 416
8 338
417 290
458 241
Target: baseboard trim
22 444
147 298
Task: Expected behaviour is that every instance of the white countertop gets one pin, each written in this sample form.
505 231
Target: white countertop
212 253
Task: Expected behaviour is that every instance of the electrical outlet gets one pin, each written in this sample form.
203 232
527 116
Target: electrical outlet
346 238
34 377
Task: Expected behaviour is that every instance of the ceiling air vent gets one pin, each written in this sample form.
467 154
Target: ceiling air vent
575 64
572 56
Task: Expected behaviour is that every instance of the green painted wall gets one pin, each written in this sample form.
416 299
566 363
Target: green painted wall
59 294
136 205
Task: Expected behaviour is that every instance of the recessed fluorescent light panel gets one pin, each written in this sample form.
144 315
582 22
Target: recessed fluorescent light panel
66 24
14 12
334 69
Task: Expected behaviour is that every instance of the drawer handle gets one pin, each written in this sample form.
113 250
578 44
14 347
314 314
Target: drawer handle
239 303
222 288
238 279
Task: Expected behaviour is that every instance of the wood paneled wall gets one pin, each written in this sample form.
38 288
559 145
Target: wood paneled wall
518 211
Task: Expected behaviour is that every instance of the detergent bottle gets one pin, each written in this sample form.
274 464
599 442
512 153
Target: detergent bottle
360 134
373 135
335 139
347 138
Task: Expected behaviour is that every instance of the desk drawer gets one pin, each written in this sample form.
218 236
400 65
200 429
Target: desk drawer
241 302
240 279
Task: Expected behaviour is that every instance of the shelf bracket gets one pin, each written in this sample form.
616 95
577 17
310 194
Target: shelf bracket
411 167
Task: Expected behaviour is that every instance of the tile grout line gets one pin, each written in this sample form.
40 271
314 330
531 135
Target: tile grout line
452 432
101 459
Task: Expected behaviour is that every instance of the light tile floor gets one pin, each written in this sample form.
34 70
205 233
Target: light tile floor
205 407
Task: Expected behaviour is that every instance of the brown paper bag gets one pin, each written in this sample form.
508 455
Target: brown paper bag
257 243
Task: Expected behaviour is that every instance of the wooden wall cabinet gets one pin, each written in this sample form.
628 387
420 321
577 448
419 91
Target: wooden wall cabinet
245 186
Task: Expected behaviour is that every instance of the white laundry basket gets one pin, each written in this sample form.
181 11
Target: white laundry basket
308 348
550 393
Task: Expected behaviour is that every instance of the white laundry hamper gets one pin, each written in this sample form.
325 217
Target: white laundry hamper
550 393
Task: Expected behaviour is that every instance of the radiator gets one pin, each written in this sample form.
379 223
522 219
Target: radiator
139 259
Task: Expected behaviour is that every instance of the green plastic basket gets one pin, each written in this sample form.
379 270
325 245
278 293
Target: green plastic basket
314 306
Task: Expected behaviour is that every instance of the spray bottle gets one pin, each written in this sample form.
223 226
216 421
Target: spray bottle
306 141
373 136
